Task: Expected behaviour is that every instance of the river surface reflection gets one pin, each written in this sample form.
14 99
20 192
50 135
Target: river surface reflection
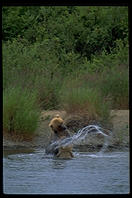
34 172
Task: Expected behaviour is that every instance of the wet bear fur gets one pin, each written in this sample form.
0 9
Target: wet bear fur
59 132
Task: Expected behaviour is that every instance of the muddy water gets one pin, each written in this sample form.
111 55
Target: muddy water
34 172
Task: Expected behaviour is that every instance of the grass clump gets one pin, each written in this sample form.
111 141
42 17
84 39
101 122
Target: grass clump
85 101
47 93
114 86
20 113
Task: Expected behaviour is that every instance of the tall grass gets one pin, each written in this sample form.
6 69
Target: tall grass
114 86
48 92
85 101
20 112
112 83
33 67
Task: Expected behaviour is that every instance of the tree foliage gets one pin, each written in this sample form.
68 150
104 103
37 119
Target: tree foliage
82 30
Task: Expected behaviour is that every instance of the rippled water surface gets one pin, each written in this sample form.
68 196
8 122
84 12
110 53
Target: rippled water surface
34 172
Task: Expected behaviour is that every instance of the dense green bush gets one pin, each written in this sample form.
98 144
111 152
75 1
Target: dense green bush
85 30
20 112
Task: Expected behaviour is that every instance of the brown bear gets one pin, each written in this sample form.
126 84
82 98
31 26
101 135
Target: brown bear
59 132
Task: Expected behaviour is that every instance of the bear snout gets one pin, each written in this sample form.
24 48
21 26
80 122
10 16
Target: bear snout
62 127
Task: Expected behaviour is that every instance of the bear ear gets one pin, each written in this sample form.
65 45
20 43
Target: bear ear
57 116
50 125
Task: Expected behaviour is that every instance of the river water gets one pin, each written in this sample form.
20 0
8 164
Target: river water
34 172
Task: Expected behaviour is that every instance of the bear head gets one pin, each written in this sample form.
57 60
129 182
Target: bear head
57 124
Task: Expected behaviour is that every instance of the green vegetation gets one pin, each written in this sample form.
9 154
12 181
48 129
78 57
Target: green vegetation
20 113
68 57
86 102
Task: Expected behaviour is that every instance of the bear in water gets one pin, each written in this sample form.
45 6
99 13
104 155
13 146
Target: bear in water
59 132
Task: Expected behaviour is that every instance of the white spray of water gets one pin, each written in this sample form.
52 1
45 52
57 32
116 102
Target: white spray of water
80 136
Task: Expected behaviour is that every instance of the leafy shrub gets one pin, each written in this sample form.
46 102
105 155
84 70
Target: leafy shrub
85 30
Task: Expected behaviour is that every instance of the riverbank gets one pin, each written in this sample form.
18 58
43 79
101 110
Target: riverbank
119 139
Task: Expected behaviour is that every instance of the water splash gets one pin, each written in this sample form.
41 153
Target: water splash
80 136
